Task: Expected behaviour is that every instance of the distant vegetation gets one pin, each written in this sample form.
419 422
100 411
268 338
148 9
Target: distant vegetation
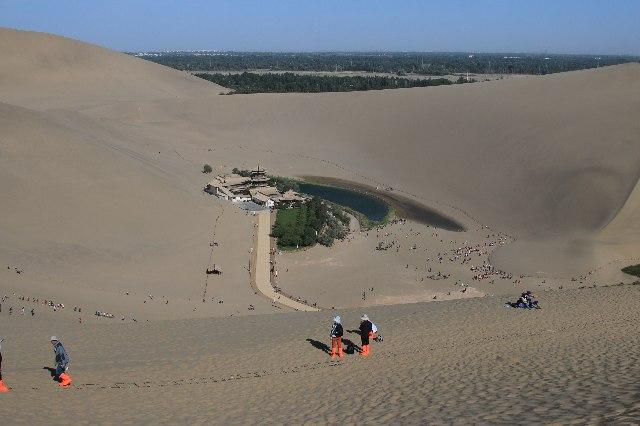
243 173
284 184
310 223
289 82
207 169
632 270
398 63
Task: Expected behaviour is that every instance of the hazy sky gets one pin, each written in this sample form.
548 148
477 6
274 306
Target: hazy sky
559 26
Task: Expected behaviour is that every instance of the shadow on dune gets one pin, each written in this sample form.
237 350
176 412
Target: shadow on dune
350 347
319 345
52 371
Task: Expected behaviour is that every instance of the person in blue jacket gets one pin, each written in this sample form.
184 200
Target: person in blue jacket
62 363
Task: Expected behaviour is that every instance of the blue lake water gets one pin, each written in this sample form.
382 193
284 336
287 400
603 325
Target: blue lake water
373 208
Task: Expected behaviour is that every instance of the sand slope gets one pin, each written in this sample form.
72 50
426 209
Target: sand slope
560 151
46 71
451 362
546 158
101 155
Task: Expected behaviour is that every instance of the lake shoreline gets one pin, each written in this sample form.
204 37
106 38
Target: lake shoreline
403 207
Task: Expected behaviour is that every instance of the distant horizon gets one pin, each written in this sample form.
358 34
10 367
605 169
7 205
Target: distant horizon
566 27
460 52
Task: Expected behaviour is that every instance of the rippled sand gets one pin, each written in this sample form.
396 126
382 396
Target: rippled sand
471 361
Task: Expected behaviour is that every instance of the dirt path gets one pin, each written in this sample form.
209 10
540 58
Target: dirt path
262 274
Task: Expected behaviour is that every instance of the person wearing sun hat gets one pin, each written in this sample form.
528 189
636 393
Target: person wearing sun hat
62 363
336 337
366 330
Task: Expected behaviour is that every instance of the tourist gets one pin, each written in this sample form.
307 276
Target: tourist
62 363
336 337
525 301
531 302
366 329
522 301
3 387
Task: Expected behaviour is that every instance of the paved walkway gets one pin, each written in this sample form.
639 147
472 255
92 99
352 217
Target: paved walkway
262 275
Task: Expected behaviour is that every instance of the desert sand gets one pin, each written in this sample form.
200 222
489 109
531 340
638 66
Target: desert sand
102 209
465 361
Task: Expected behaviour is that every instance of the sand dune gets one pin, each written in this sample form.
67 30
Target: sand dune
552 157
88 219
452 362
101 206
94 174
536 145
542 159
44 71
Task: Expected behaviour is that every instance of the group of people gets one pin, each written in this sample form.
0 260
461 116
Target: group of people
22 311
367 331
61 371
526 300
44 302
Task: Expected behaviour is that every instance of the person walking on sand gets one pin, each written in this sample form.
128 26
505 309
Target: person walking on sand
336 337
366 330
3 387
62 363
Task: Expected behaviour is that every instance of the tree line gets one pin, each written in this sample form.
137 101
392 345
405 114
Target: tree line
246 82
399 63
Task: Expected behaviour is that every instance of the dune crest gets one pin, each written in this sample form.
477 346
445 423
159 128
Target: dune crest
41 71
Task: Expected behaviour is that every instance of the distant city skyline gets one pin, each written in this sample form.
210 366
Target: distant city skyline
493 26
